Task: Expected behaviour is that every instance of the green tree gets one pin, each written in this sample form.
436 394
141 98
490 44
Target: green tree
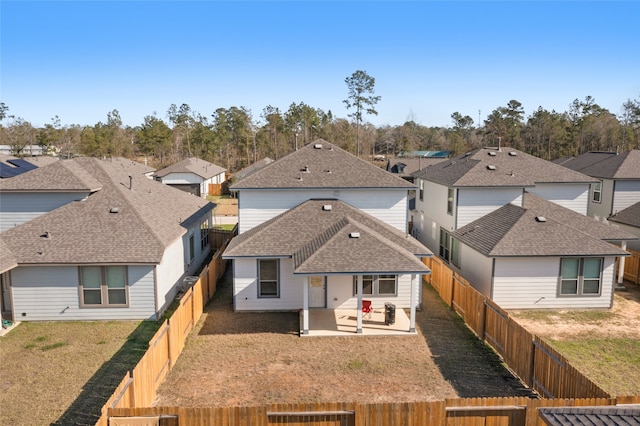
361 89
630 119
154 138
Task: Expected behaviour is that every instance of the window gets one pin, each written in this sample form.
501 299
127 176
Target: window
377 285
449 248
421 190
191 248
580 276
597 192
204 234
103 286
268 274
450 194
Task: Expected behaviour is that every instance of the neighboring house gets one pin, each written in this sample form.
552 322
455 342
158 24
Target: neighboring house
100 243
629 220
192 175
406 167
321 228
426 154
539 255
11 166
618 180
133 167
463 190
241 174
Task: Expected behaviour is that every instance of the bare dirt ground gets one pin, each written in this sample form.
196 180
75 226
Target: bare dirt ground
246 359
621 321
226 206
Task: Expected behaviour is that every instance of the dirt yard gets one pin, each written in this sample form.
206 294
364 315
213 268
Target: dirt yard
226 206
622 321
245 359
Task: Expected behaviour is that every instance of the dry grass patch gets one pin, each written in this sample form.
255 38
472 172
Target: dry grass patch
45 367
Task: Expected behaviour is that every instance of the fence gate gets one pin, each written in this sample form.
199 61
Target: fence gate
312 418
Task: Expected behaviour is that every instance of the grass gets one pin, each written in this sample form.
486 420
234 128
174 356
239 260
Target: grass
612 363
585 317
56 372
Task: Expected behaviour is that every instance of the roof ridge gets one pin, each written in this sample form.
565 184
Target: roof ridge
307 250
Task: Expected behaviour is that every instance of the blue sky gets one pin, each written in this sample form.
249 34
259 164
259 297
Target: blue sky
81 59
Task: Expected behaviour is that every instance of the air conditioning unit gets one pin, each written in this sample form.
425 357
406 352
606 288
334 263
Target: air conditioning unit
188 282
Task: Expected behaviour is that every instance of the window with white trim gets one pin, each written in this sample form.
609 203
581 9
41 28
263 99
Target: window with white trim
450 197
268 278
103 286
580 276
377 285
597 192
449 248
421 190
204 234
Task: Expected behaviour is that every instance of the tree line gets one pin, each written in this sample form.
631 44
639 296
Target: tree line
234 138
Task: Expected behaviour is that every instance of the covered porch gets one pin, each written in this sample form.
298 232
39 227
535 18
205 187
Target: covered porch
344 322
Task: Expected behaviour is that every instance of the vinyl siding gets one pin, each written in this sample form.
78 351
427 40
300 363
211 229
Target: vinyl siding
532 283
18 208
170 272
476 268
431 215
258 206
633 244
571 196
51 293
473 203
181 178
602 210
340 293
626 193
245 279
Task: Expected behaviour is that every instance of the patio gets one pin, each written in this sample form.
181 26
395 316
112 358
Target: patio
343 322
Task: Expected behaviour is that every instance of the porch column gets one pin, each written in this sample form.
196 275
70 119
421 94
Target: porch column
305 305
621 265
359 310
414 296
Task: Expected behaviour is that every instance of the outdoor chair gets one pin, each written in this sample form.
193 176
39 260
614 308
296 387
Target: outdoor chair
366 309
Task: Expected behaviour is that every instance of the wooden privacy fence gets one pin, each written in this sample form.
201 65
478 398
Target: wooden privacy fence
138 388
536 363
632 267
513 411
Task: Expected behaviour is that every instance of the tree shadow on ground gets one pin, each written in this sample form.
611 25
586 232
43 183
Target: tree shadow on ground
86 409
470 365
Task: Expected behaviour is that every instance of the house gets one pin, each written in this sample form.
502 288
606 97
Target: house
629 220
405 167
241 174
87 240
462 190
321 229
618 180
192 175
13 166
599 415
539 255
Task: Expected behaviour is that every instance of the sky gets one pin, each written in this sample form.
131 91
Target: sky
79 60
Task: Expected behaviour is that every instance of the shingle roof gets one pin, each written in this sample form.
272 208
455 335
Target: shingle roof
130 166
591 416
408 166
629 216
7 259
194 165
241 174
320 241
500 168
63 176
149 217
608 165
320 164
515 231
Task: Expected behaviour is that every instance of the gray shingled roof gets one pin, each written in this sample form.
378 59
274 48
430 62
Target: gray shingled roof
63 176
197 166
241 174
319 241
7 259
629 216
591 416
150 217
515 231
408 166
321 164
503 167
130 166
607 165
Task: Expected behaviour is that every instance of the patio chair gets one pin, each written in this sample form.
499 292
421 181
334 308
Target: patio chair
366 309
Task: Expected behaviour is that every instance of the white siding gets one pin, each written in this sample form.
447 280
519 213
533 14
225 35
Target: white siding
18 208
340 293
170 272
532 283
258 206
431 215
245 281
573 196
50 293
473 203
476 268
181 178
627 193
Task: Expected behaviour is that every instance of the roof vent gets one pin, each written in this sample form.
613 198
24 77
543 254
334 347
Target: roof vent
326 207
306 169
541 219
513 153
114 210
491 167
328 170
492 153
46 235
354 235
317 146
